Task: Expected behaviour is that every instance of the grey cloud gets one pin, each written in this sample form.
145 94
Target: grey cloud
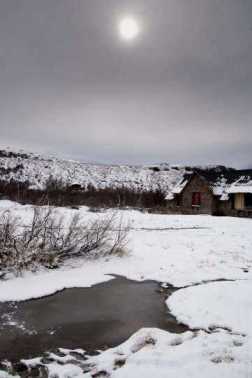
181 93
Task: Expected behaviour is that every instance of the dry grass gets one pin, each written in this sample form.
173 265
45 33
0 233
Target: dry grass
46 241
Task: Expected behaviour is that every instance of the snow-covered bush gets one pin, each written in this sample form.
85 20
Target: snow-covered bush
47 241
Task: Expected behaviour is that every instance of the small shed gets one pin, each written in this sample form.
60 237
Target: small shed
241 190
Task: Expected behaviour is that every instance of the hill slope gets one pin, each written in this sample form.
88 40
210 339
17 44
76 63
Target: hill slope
36 169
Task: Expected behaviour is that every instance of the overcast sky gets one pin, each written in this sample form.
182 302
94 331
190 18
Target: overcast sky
181 92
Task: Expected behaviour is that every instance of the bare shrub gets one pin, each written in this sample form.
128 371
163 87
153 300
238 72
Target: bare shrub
120 239
46 241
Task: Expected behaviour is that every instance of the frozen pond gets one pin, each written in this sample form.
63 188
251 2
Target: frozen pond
89 318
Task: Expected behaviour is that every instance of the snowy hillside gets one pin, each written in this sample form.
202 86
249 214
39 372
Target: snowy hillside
36 170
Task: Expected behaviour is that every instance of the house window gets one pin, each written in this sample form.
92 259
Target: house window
248 200
196 199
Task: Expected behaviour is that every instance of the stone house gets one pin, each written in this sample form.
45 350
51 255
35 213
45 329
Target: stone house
227 192
193 195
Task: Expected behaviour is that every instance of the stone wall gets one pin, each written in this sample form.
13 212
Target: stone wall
183 203
197 184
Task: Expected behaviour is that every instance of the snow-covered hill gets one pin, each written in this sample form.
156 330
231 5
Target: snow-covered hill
36 169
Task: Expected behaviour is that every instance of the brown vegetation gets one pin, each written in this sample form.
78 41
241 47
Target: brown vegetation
57 194
47 241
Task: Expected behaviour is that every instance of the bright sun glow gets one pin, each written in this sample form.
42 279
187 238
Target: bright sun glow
128 28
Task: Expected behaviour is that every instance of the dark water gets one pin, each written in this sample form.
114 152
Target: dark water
90 318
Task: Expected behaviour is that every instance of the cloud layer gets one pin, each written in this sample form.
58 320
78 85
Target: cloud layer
180 93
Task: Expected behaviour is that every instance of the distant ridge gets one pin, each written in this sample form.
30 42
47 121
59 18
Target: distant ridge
35 169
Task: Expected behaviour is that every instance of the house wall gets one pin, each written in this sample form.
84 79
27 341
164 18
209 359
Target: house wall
196 184
234 207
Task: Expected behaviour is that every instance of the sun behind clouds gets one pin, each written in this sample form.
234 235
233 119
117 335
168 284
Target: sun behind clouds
128 28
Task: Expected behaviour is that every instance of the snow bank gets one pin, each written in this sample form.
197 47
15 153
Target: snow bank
213 305
32 286
3 374
6 204
155 353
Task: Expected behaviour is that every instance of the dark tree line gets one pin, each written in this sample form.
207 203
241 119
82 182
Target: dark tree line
57 194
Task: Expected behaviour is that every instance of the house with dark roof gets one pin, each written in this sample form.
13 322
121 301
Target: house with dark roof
217 191
241 192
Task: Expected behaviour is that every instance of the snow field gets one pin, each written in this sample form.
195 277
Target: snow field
175 249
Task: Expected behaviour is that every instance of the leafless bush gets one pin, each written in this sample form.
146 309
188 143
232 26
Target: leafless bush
47 241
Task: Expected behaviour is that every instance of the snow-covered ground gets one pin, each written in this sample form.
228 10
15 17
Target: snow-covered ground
183 251
151 352
215 305
179 249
